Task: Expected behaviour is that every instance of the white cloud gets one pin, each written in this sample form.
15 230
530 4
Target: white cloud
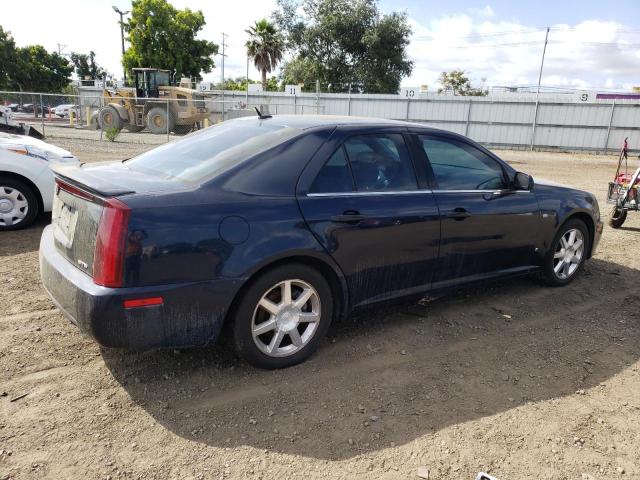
467 40
485 11
591 54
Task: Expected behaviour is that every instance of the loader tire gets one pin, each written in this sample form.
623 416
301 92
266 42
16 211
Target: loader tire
108 118
157 121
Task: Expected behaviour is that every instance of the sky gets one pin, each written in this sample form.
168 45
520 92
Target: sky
592 45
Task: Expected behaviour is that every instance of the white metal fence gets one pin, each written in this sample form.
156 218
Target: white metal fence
508 121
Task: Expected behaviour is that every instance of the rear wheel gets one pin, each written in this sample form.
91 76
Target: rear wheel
618 217
18 204
108 118
282 317
158 122
567 253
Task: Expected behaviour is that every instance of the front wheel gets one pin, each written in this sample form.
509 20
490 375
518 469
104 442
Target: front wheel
108 117
158 122
282 317
618 217
18 204
567 253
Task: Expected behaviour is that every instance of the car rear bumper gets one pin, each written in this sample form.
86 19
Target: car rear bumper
191 314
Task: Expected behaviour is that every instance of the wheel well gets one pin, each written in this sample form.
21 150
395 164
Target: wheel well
327 272
588 221
33 186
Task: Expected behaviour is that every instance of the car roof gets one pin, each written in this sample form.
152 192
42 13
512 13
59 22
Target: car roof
312 121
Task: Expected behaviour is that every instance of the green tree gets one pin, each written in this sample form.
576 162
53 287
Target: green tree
31 68
40 71
458 83
7 59
346 44
301 71
265 46
161 36
86 66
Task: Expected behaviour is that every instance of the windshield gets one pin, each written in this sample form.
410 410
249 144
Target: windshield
211 151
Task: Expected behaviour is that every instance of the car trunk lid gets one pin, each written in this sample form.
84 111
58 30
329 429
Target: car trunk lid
86 199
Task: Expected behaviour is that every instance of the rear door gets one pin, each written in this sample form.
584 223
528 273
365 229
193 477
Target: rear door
369 207
488 228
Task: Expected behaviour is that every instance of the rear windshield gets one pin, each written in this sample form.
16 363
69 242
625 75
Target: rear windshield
211 151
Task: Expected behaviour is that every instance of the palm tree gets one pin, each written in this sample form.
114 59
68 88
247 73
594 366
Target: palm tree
265 46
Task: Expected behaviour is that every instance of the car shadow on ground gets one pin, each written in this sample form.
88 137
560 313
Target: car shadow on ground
630 229
15 242
385 378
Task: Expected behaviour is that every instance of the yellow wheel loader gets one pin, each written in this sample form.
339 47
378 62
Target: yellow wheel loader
153 103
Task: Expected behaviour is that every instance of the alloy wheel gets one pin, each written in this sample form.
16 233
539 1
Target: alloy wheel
569 253
286 318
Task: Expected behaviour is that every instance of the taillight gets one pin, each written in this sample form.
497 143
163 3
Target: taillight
108 260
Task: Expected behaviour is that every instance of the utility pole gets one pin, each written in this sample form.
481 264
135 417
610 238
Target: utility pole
122 14
535 112
224 44
246 100
61 47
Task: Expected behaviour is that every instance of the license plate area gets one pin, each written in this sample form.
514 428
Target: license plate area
75 225
65 219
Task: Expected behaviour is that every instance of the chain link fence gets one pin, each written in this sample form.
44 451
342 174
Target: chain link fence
116 124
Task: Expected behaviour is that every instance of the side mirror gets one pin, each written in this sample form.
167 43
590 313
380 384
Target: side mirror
522 181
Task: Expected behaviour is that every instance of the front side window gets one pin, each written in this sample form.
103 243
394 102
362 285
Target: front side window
380 162
459 166
335 175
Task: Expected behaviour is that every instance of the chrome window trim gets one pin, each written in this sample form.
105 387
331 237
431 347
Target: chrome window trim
410 192
359 194
495 192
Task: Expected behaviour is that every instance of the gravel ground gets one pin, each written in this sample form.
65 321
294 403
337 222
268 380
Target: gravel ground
516 379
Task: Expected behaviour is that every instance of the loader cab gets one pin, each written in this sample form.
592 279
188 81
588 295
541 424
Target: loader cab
148 81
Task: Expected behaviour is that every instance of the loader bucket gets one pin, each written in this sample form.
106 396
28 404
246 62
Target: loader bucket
32 132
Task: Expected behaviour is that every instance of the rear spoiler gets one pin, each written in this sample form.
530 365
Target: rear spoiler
88 181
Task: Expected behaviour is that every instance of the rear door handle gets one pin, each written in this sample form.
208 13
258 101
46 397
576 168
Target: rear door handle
458 214
348 216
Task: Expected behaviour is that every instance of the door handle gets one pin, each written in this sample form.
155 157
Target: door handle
458 214
348 216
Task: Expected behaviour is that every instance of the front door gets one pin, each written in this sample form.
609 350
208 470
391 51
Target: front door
488 228
368 211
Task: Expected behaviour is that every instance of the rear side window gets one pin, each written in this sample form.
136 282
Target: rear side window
380 162
335 176
211 151
459 166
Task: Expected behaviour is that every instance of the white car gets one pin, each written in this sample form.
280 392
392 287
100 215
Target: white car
26 180
65 109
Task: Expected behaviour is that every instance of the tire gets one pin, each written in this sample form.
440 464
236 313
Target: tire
157 120
278 327
108 117
18 204
618 217
574 257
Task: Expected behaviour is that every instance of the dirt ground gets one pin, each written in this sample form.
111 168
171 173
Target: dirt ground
515 379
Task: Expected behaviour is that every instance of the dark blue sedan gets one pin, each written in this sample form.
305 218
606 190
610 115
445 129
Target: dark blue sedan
276 226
